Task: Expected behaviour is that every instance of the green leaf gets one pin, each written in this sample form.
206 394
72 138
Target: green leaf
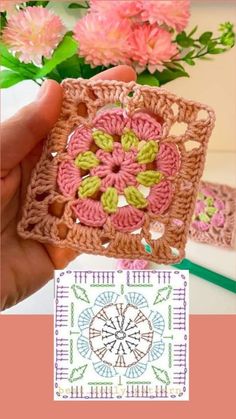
205 38
189 55
37 3
8 78
28 71
66 49
70 68
189 61
148 79
87 71
217 50
77 6
3 21
184 40
193 31
168 75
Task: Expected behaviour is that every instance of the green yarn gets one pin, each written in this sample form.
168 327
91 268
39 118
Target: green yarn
103 140
148 152
109 200
209 201
86 160
204 217
211 210
128 140
89 186
134 197
148 248
149 177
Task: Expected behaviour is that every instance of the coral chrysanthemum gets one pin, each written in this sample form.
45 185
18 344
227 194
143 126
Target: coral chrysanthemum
107 168
103 41
8 6
151 46
120 8
33 33
173 13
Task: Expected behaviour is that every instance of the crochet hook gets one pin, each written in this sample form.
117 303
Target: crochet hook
204 273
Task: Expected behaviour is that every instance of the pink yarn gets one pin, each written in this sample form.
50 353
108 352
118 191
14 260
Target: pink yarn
125 161
168 160
128 219
201 225
160 197
218 219
90 212
119 169
138 264
68 178
80 141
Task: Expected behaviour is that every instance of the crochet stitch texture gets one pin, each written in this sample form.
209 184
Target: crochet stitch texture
111 167
214 219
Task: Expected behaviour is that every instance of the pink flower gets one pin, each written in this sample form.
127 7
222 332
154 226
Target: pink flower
120 8
110 162
102 40
173 13
151 46
138 264
122 162
8 5
33 33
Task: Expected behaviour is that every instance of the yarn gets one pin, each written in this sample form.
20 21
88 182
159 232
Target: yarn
92 160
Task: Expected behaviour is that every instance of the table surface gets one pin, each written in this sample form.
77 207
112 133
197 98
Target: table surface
205 298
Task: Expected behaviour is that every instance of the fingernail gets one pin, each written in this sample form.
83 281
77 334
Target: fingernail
43 90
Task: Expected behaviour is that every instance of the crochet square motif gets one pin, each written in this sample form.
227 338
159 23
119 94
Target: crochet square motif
112 166
214 218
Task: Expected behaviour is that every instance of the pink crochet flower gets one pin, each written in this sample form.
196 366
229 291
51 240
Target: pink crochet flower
103 40
33 33
138 264
117 159
209 211
173 13
151 47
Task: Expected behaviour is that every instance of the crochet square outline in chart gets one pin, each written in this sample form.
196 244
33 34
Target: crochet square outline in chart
121 335
112 165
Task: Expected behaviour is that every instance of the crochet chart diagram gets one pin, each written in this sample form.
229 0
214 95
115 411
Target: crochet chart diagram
121 335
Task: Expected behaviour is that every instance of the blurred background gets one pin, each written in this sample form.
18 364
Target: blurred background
212 82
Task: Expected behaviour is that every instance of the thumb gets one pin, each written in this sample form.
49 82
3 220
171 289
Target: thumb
22 132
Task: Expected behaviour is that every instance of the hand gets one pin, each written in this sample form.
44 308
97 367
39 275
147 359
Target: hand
26 264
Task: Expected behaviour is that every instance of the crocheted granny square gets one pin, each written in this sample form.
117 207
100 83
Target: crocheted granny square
112 165
214 219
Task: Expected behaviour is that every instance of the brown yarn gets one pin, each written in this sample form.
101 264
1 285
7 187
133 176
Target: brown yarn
48 216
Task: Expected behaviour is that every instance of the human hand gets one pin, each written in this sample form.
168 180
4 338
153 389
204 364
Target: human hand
26 264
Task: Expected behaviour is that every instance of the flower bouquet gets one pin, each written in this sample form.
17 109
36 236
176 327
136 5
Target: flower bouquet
146 34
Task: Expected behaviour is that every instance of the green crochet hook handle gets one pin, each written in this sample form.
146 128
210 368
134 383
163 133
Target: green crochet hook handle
208 275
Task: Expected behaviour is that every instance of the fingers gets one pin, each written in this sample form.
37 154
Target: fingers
60 257
121 73
22 132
